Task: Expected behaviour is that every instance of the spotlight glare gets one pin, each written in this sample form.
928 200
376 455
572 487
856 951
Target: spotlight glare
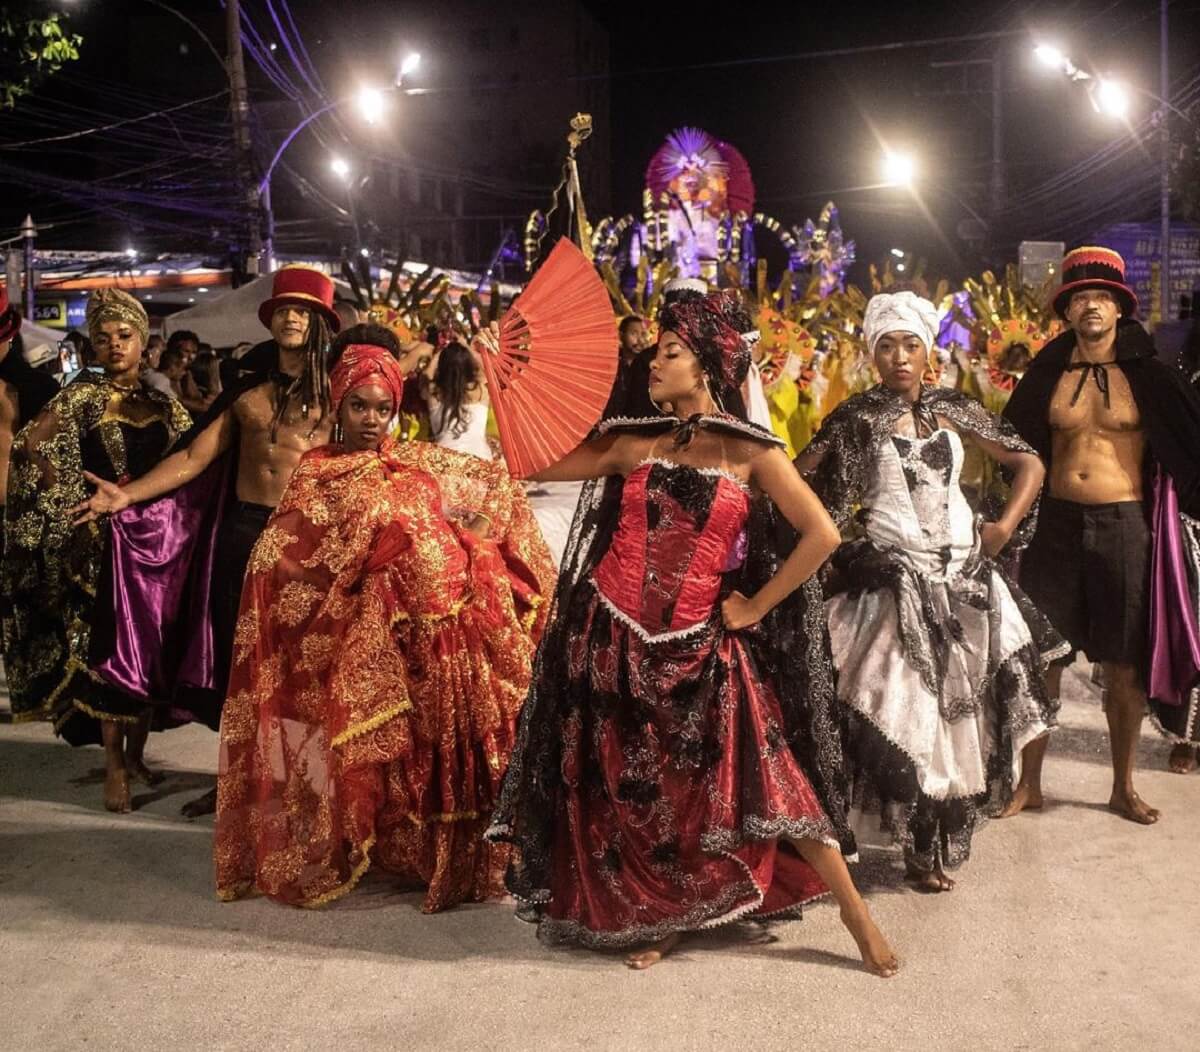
1050 56
899 169
372 104
1112 97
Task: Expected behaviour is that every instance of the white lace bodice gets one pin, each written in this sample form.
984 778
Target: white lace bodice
915 503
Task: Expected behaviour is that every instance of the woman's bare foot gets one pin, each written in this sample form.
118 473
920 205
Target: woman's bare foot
640 960
877 955
1182 759
202 805
1024 799
116 790
933 880
1134 808
139 772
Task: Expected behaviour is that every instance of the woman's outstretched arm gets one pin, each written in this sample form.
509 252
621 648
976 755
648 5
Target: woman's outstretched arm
608 455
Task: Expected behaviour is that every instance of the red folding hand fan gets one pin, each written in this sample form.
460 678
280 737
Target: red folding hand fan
551 375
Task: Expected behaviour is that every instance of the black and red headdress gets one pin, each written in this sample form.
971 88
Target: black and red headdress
714 327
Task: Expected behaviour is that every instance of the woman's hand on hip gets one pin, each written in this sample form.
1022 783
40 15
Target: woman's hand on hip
739 612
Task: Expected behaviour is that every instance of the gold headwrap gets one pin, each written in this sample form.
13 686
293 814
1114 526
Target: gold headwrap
114 305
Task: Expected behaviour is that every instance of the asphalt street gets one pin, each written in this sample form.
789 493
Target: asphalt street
1069 929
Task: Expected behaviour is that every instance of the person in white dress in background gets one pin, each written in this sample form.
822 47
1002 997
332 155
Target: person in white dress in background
939 656
458 401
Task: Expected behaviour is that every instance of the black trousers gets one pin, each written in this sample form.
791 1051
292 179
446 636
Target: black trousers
241 527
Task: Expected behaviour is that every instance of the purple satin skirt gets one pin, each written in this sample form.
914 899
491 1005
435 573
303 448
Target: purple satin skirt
162 556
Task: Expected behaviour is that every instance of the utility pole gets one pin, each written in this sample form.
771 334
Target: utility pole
1165 202
997 183
970 88
240 104
28 237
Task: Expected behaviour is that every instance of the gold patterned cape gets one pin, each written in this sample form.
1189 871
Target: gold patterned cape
51 567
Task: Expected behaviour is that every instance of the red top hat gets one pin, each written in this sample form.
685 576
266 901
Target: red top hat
1092 267
10 318
301 286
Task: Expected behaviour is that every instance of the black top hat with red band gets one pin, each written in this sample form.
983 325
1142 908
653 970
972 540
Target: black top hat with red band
1093 267
10 318
300 286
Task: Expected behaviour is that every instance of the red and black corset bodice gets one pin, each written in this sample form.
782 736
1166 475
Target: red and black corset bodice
680 529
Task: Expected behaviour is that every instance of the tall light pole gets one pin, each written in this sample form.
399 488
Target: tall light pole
997 182
28 237
1113 98
240 113
1165 189
371 103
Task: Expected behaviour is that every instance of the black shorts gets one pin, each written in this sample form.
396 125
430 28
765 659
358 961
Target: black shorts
1088 570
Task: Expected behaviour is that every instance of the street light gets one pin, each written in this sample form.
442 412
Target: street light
340 167
899 169
372 104
1053 58
1111 98
408 65
1049 55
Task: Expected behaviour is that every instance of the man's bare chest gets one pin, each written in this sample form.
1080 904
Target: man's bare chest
261 427
1094 400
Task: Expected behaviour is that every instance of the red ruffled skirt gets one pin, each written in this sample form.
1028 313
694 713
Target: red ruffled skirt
680 795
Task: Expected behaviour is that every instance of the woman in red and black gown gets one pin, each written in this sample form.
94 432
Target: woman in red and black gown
677 763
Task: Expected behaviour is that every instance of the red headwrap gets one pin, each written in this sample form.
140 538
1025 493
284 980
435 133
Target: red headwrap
361 364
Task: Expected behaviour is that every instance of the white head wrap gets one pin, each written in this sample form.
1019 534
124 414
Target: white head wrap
900 312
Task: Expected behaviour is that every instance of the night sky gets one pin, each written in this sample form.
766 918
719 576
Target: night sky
818 124
807 126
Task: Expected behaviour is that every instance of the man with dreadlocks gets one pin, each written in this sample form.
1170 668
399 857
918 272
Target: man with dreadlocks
273 410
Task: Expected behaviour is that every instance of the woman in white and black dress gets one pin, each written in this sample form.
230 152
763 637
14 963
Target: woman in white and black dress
939 657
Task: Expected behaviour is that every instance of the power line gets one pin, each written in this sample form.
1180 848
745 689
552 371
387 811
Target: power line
114 124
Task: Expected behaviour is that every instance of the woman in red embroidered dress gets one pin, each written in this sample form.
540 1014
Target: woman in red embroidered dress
678 763
384 646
